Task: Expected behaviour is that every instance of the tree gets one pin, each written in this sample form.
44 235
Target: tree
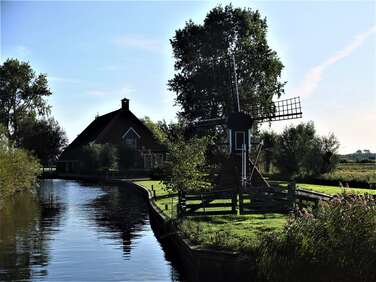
156 128
300 152
22 93
44 138
108 157
18 169
269 140
202 82
186 170
329 151
127 157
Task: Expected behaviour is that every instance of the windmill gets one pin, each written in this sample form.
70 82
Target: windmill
239 128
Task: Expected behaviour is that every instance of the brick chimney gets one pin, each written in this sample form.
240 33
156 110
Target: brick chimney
125 104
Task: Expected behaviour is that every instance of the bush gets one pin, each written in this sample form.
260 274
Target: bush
337 244
98 158
18 169
186 168
128 157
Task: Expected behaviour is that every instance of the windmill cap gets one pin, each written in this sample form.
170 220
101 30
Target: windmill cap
239 121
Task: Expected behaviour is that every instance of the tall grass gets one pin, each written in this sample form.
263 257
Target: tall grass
337 244
348 172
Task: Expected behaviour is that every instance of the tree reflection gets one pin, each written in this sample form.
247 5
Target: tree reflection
121 214
26 223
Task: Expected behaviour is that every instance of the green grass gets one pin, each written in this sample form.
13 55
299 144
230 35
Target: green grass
168 206
353 172
230 232
334 190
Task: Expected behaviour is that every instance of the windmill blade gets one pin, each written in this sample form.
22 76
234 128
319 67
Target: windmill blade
209 122
279 110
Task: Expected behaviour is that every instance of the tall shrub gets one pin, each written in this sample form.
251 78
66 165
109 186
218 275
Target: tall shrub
18 169
186 170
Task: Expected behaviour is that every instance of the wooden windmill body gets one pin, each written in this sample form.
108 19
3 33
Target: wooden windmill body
239 126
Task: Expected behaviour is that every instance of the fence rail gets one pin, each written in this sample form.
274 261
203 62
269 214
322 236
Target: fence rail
251 200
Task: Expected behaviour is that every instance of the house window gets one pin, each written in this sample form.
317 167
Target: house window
239 140
130 138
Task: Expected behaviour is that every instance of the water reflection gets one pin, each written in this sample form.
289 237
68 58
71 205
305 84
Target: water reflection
72 231
26 226
121 215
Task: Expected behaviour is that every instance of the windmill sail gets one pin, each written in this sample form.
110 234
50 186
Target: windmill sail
278 110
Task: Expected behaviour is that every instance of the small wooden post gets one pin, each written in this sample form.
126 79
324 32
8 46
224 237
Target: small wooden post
234 202
291 195
154 194
241 202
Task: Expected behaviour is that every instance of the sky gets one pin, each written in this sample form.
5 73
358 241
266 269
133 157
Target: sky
97 52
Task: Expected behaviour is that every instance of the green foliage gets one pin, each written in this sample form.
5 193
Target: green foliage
156 128
108 157
127 157
98 158
203 80
337 244
185 169
18 169
299 152
22 94
44 138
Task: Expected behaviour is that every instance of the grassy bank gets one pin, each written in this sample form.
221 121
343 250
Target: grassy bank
335 243
230 232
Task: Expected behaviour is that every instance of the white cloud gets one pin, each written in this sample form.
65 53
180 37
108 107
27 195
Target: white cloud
314 75
139 42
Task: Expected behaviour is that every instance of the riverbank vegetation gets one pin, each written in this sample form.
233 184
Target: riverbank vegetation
29 136
334 243
18 169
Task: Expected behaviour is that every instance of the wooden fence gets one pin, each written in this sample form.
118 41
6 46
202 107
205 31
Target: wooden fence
207 203
253 200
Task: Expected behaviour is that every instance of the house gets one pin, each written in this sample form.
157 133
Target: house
117 127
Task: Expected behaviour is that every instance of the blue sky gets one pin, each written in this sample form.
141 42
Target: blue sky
97 52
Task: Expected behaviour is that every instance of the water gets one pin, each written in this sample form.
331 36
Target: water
77 232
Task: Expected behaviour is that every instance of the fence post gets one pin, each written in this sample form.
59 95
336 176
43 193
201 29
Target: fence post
241 202
291 195
181 204
234 202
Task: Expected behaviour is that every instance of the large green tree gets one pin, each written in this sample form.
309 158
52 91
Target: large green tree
300 152
43 137
22 93
203 67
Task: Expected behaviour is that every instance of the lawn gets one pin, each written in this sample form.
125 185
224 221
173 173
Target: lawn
232 232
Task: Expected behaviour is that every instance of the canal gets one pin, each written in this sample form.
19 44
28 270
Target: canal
72 231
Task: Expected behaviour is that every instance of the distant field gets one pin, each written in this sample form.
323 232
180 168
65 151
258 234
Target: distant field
333 190
347 172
